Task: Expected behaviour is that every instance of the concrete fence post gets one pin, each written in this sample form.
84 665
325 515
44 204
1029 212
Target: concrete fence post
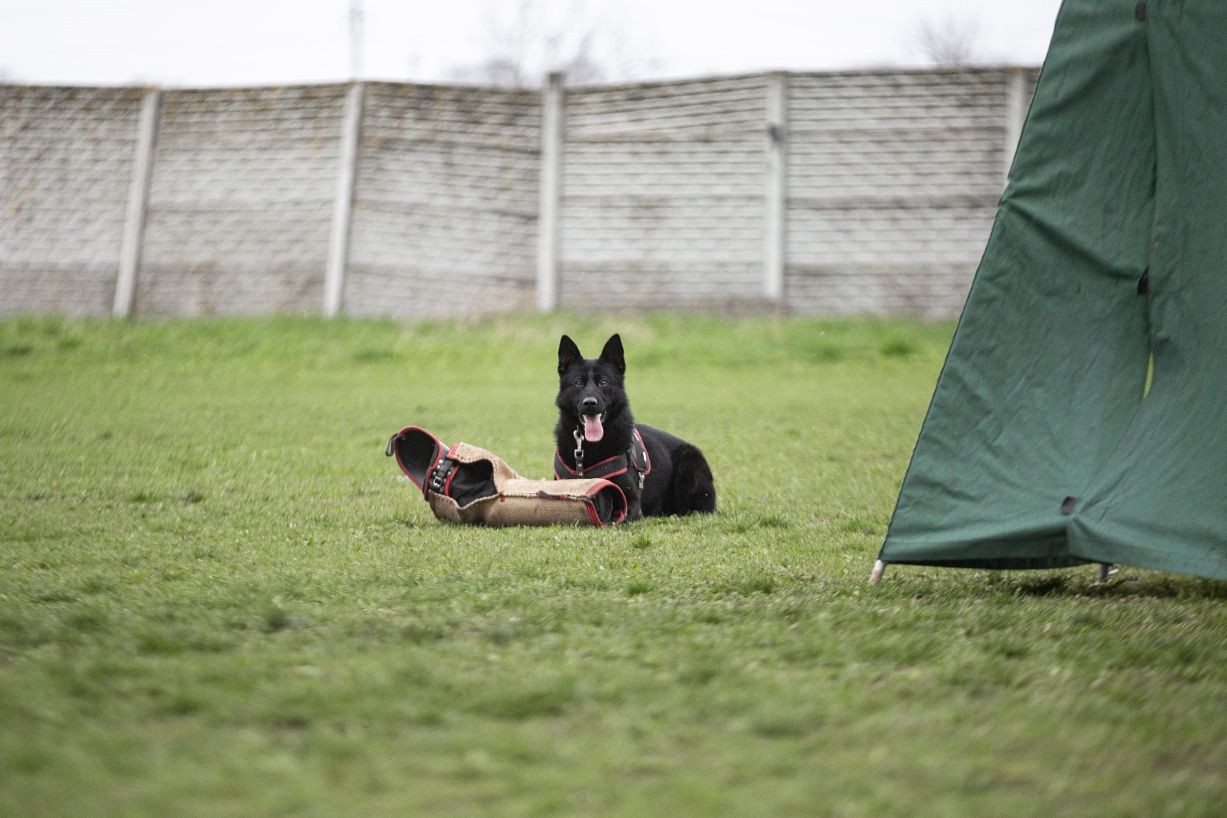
138 204
1015 113
550 193
343 203
776 193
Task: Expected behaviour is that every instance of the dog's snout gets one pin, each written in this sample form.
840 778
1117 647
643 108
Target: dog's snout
588 403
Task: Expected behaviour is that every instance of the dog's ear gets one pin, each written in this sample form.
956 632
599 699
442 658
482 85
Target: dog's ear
612 353
568 354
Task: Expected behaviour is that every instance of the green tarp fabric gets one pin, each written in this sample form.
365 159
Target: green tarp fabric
1040 448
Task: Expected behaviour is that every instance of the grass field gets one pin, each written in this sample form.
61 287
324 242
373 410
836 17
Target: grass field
218 597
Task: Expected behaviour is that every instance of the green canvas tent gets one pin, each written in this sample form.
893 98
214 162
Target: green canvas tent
1043 446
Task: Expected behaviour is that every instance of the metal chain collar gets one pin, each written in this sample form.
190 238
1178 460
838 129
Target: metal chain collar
579 451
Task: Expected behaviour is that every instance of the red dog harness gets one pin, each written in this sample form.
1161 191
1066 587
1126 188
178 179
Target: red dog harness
636 458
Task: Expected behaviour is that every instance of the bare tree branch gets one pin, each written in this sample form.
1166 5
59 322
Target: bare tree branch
526 46
947 43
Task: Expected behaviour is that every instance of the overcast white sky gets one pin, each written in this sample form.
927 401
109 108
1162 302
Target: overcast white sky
229 42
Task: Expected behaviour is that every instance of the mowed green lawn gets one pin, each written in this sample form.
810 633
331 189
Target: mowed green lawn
218 597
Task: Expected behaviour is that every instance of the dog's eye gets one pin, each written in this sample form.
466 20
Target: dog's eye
603 382
579 381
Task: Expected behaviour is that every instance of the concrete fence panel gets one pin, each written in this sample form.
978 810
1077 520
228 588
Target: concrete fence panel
663 190
894 182
445 214
66 164
240 201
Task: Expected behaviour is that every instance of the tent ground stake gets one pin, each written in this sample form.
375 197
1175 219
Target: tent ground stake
875 576
1105 570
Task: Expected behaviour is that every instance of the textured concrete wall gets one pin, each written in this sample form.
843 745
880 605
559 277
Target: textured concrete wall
890 181
240 201
662 194
66 157
445 205
894 180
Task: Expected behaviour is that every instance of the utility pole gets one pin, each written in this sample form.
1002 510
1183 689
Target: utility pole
356 19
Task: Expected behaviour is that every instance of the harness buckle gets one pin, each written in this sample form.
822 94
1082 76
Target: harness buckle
438 478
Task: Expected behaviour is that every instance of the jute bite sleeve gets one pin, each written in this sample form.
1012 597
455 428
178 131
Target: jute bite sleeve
467 484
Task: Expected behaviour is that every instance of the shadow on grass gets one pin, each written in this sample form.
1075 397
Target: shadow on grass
1075 583
1120 586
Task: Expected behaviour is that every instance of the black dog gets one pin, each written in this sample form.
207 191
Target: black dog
597 437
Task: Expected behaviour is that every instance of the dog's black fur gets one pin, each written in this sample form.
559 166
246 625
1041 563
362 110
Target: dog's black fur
680 481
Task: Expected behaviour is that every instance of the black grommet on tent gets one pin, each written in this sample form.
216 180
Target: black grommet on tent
1139 12
1144 282
1067 505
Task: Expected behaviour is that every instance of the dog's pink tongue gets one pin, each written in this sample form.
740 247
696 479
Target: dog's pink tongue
593 430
